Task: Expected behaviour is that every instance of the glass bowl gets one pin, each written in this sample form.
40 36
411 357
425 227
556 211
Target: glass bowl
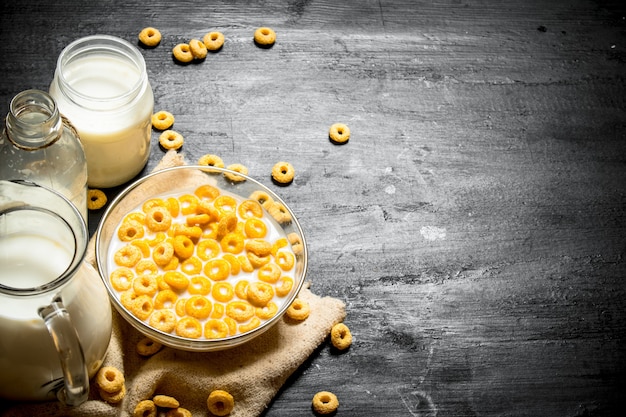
184 179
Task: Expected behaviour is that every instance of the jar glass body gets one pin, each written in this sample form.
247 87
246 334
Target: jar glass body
101 86
39 146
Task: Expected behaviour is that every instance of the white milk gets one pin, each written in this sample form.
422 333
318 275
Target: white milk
114 127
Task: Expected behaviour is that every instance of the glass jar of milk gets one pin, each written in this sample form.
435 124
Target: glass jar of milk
101 86
39 145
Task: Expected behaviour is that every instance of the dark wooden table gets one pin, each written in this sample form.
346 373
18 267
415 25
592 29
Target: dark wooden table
475 222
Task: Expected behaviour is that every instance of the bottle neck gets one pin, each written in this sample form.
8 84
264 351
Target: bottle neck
33 121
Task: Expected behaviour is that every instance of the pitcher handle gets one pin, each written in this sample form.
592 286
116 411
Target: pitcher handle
65 339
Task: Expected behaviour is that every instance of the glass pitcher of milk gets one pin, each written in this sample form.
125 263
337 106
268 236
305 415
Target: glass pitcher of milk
55 314
102 87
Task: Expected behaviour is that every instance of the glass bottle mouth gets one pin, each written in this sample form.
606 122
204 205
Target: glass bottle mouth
116 66
33 120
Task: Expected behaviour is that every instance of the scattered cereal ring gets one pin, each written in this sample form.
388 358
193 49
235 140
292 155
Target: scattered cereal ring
285 260
279 212
198 49
235 265
207 249
145 408
146 266
165 401
96 199
215 329
339 133
178 412
340 336
191 266
325 402
218 311
170 139
264 36
163 320
165 299
223 291
189 327
150 36
298 310
220 403
211 160
199 285
250 209
188 204
110 379
145 285
179 308
252 324
283 172
130 230
162 120
142 307
176 280
261 197
269 273
113 397
151 203
241 169
143 246
127 256
158 219
241 289
227 223
257 261
163 253
198 307
255 228
225 204
245 263
260 247
122 278
266 312
285 286
182 53
213 41
232 243
173 206
240 311
217 269
183 246
260 293
207 192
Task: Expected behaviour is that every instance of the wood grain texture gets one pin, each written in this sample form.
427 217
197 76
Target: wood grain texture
474 223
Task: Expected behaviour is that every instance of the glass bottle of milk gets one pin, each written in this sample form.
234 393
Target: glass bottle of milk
102 86
39 145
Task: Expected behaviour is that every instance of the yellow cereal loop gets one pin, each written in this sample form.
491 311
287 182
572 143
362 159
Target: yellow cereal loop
223 291
150 37
251 325
96 199
198 49
171 139
232 243
182 53
192 232
264 37
240 311
236 168
145 408
298 310
162 253
279 244
227 223
279 212
163 320
130 230
162 120
135 216
325 402
172 264
178 412
283 172
122 278
188 204
259 247
283 286
257 261
246 266
215 329
147 347
142 307
183 247
189 327
207 249
179 308
235 266
198 306
127 256
158 238
143 246
261 197
255 228
165 401
113 397
146 266
211 160
145 285
176 280
220 403
250 209
127 298
225 204
162 284
198 220
260 293
191 266
340 336
285 260
165 299
339 133
213 41
269 273
158 219
110 379
199 285
232 325
173 206
218 311
266 312
241 289
151 203
217 269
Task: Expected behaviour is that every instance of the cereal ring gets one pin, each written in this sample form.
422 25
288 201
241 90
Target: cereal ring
150 36
135 216
325 402
211 160
227 223
165 299
162 253
199 285
158 238
163 320
241 169
285 260
266 312
255 228
269 273
158 219
207 192
188 204
110 379
127 298
252 324
207 249
96 199
241 289
235 266
148 347
113 397
182 53
261 197
146 266
283 172
225 204
250 209
145 285
223 291
264 36
280 243
191 266
215 329
246 265
176 280
259 247
189 327
232 243
340 336
213 41
165 401
260 293
142 307
151 203
298 310
143 246
170 139
179 308
257 261
198 49
218 311
130 230
198 306
145 408
282 289
192 232
232 325
127 256
162 120
173 206
220 403
183 247
122 278
197 220
178 412
279 212
339 133
217 269
240 311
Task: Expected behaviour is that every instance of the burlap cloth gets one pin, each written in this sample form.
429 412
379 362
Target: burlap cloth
253 372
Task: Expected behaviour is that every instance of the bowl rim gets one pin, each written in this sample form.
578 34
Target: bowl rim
172 340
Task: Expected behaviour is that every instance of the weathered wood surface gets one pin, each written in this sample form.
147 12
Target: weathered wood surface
474 224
